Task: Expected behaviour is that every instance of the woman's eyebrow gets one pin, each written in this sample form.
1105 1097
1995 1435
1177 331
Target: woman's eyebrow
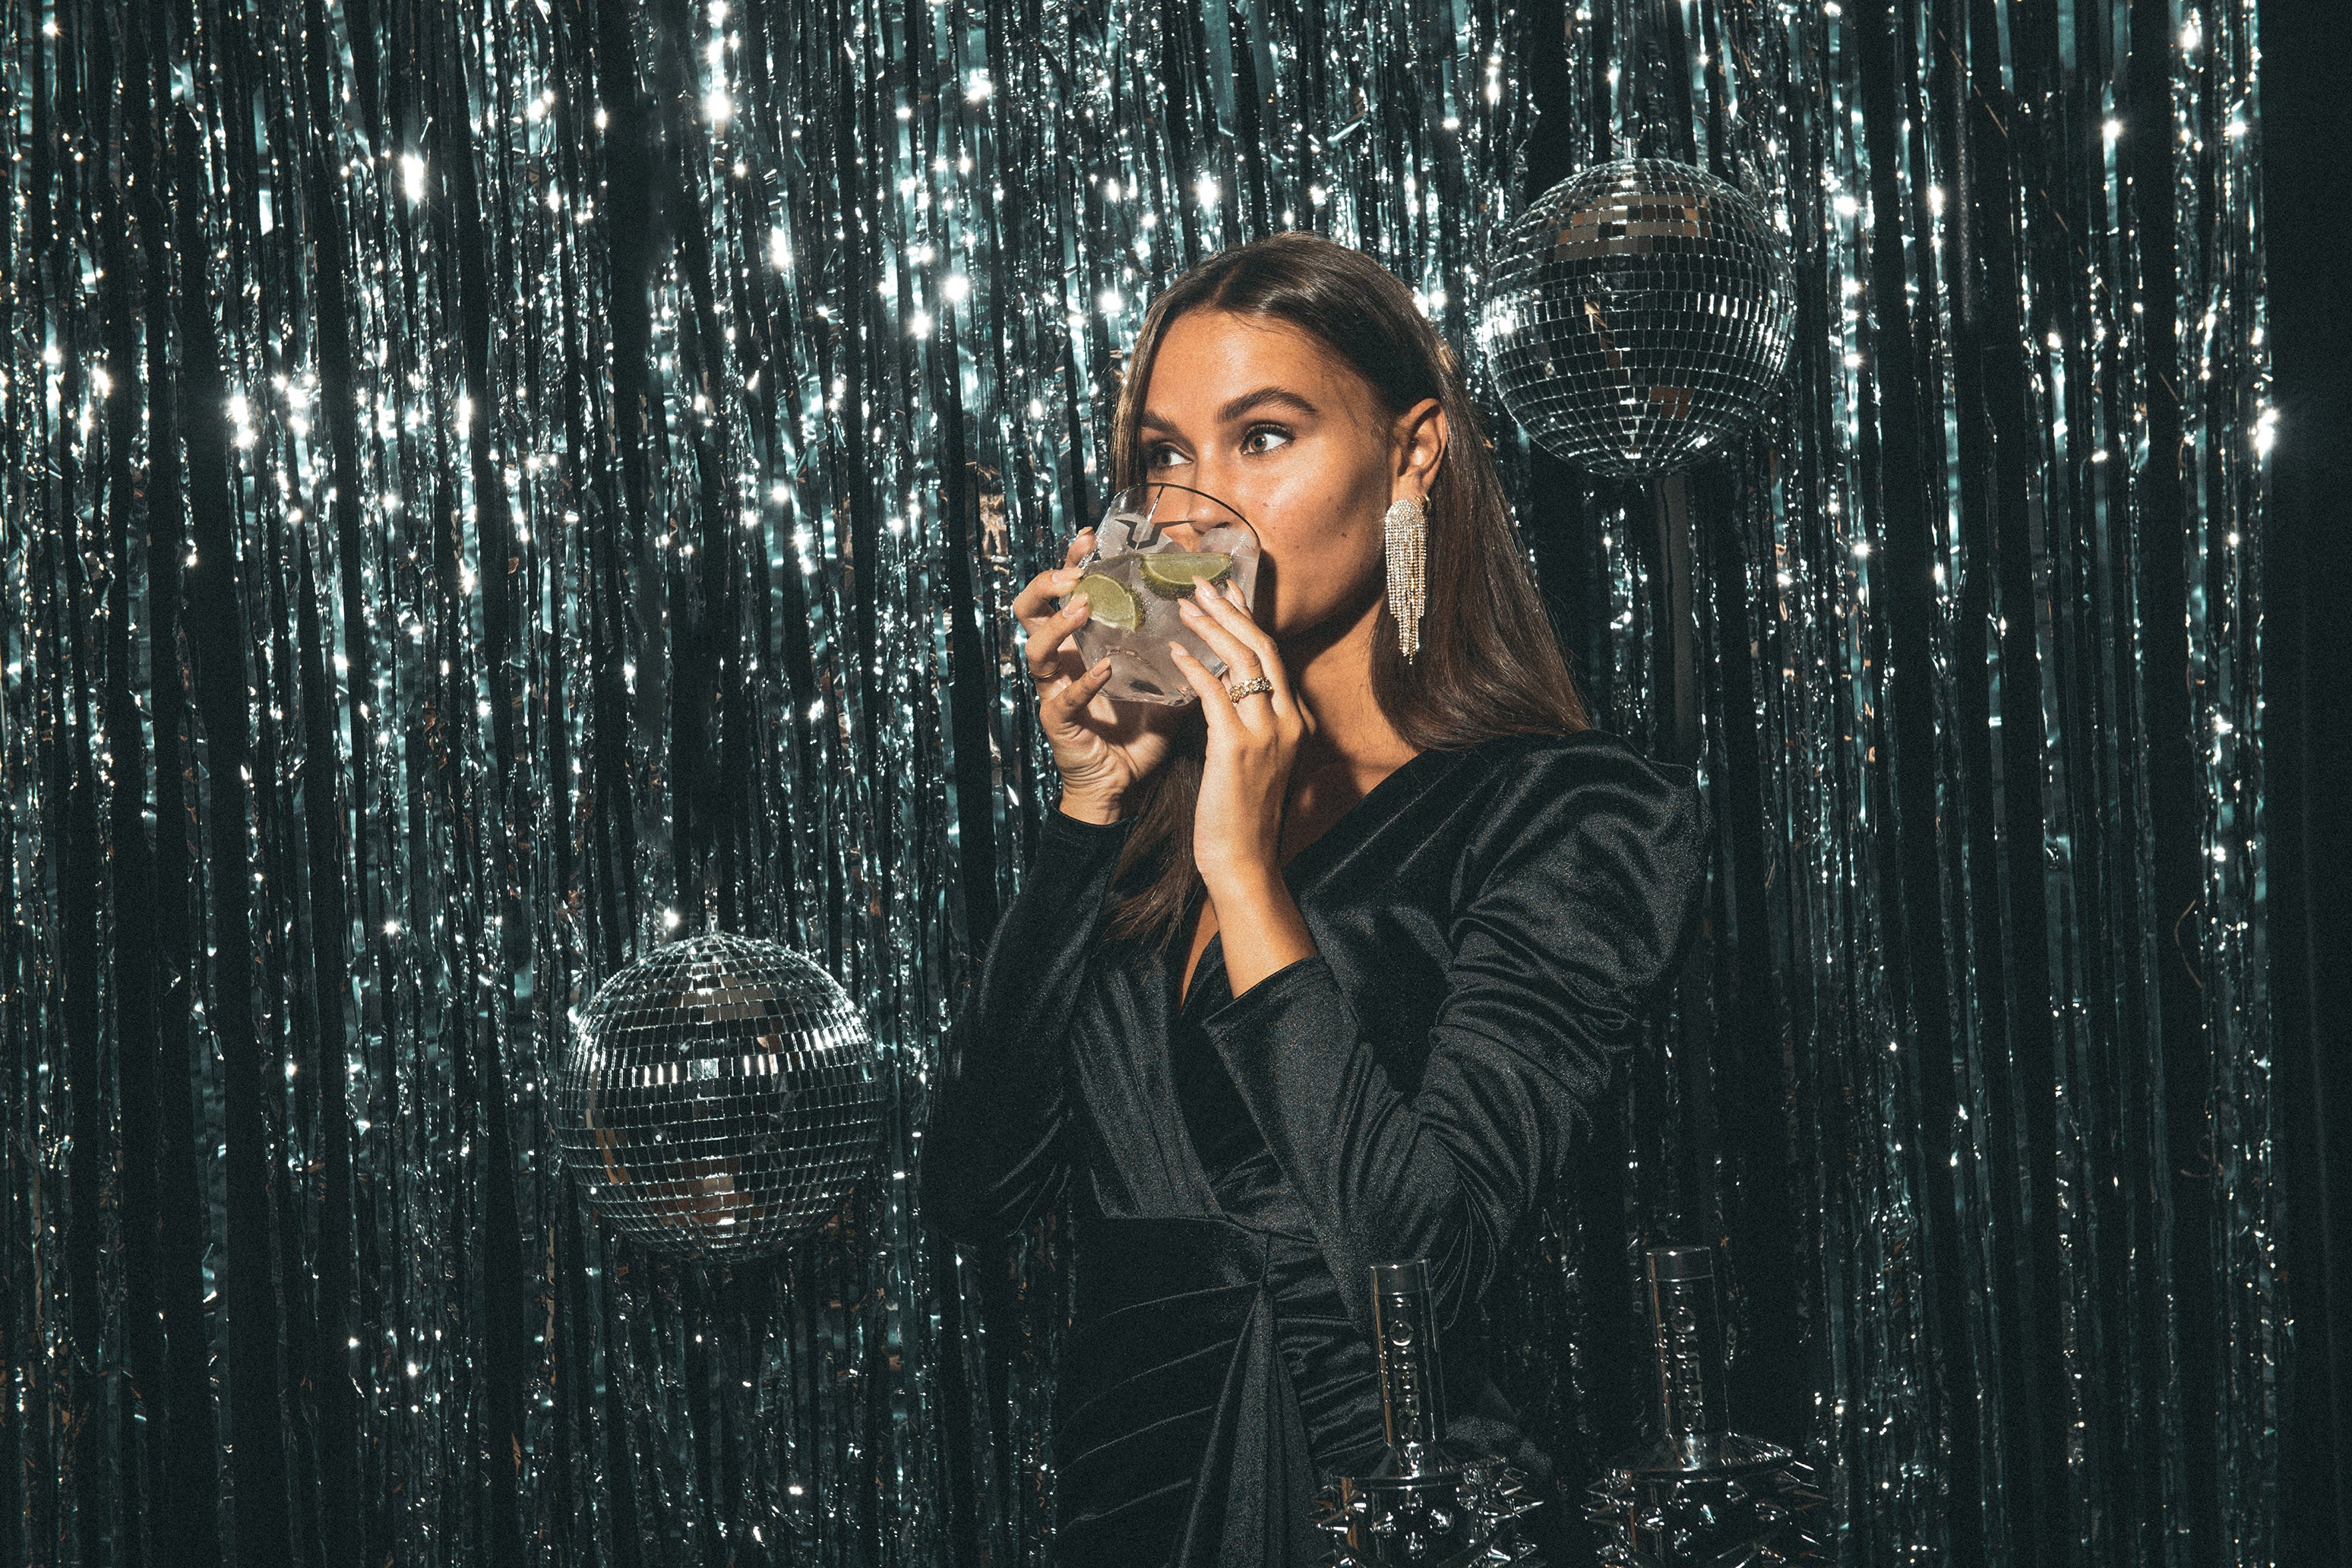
1279 397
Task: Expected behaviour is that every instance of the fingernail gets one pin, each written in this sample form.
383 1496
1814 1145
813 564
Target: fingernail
1077 600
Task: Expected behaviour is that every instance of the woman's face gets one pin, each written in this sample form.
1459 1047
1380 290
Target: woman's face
1261 416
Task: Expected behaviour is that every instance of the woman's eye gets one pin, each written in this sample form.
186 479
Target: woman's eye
1153 457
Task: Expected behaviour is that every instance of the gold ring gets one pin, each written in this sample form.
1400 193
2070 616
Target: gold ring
1254 683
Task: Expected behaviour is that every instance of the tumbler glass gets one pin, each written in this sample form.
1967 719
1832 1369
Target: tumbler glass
1156 545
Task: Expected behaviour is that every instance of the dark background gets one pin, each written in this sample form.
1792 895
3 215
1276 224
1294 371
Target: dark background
2307 194
162 1465
2305 84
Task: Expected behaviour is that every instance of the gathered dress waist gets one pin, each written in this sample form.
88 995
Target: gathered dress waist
1206 1359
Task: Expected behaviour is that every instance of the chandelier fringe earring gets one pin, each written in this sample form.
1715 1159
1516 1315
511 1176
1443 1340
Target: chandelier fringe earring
1408 532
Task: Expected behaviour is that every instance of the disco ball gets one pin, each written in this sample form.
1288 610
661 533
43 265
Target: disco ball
1639 314
721 1098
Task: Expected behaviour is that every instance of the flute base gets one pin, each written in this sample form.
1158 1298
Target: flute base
1727 1501
1445 1510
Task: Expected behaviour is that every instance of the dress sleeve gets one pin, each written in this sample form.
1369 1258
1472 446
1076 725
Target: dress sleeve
1586 893
996 1108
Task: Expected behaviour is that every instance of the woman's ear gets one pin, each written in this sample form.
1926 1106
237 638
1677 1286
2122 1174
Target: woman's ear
1420 438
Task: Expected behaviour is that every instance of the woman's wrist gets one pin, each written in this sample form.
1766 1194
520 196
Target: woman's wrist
1261 926
1090 806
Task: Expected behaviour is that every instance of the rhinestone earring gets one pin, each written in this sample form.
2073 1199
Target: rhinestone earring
1408 532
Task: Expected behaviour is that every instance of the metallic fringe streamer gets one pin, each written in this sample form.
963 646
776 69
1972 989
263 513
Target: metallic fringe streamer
1972 1077
491 486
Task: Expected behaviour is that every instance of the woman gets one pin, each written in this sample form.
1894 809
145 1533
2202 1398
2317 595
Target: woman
1321 972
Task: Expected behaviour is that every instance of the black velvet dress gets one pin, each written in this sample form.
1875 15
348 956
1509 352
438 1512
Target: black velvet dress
1489 922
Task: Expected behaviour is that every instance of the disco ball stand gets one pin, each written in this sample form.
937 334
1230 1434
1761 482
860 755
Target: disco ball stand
720 1098
1640 316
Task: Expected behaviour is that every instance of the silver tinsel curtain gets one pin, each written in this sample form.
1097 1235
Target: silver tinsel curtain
490 486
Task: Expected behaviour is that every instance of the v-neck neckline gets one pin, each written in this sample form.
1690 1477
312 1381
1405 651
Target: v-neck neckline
1378 803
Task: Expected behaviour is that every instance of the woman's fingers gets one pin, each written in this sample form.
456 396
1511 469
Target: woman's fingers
1047 622
1036 602
1242 643
1240 660
1071 699
1046 650
1216 706
1225 600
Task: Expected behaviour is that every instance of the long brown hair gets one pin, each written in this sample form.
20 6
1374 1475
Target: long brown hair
1489 663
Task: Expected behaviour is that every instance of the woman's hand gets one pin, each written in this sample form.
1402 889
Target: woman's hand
1100 749
1246 778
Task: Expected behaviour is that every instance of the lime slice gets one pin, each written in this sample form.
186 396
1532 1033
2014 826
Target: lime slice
1110 601
1175 574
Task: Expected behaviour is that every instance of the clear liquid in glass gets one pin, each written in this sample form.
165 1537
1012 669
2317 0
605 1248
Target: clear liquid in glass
1158 519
